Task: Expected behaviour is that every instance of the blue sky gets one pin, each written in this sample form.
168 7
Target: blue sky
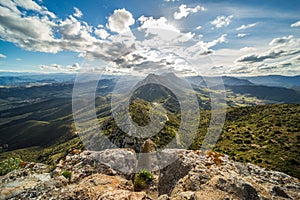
220 37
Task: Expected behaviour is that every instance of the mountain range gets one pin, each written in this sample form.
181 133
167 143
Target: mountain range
36 122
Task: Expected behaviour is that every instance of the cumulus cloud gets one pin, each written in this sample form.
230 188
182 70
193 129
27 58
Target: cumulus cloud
281 41
102 33
272 54
160 32
2 55
280 47
27 5
120 21
287 66
36 32
213 43
160 43
248 69
296 24
26 31
70 27
222 21
57 67
171 0
243 27
184 11
77 13
73 67
160 23
282 57
240 35
51 67
196 51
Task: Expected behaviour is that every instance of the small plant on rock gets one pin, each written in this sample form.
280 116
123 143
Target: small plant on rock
142 180
67 174
9 165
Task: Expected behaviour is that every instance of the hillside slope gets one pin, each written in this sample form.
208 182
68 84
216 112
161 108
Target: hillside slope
266 135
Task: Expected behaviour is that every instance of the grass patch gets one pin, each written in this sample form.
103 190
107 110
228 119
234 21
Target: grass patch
142 180
9 165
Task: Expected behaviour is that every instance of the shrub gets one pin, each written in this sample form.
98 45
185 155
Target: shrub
67 174
142 180
9 165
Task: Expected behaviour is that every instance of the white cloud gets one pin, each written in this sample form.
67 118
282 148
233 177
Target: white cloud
281 41
161 32
2 55
296 24
184 11
160 23
194 52
24 30
51 67
288 66
77 13
120 21
163 45
70 27
281 57
36 32
10 5
247 49
56 67
73 67
102 33
222 21
28 5
213 43
171 0
240 35
243 27
18 59
198 27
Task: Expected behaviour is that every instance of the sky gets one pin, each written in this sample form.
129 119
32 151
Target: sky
213 37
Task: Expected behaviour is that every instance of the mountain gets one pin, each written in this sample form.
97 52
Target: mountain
14 81
227 81
265 135
275 80
273 94
36 123
233 81
41 124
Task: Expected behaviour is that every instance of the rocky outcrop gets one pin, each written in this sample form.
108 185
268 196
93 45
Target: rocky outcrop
193 175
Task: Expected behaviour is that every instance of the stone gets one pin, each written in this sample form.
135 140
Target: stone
164 197
186 196
124 194
248 192
170 175
278 191
189 177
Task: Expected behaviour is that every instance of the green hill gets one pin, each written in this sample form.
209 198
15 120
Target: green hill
267 135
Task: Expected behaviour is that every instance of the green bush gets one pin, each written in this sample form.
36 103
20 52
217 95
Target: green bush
142 180
67 174
9 165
